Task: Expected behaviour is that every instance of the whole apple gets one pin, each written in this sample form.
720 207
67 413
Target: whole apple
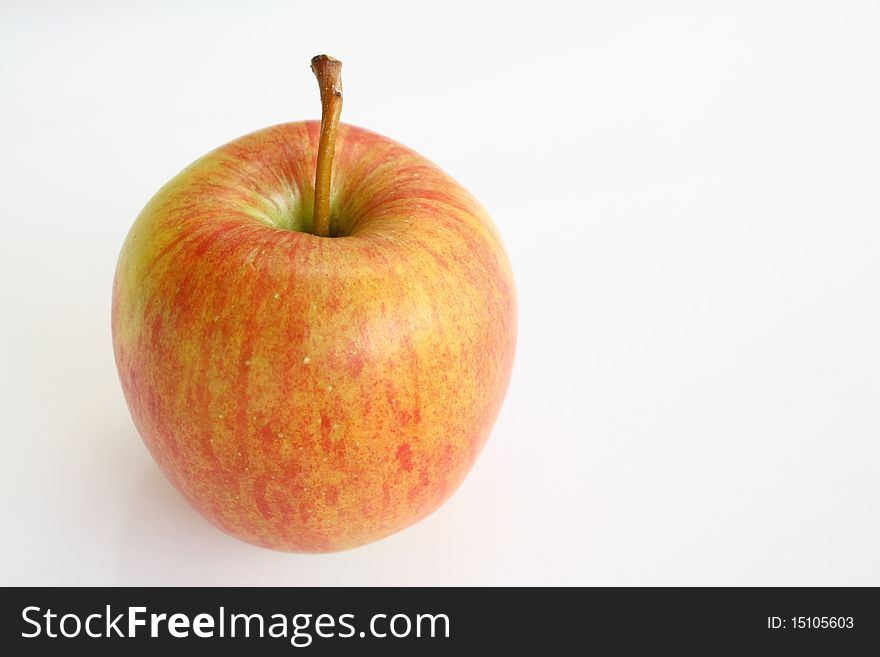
307 392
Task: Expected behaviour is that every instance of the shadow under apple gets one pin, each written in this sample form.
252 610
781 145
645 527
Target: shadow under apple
166 542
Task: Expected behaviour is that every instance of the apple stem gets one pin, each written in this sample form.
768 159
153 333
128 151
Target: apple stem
329 74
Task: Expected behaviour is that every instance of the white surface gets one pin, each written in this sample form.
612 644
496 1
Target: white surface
689 196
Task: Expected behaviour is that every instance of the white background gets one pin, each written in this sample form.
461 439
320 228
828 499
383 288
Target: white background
690 197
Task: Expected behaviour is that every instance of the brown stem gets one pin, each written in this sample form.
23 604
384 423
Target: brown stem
329 74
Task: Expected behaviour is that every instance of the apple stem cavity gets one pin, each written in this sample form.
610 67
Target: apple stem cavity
329 74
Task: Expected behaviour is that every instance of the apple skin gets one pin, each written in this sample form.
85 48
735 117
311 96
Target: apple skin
309 393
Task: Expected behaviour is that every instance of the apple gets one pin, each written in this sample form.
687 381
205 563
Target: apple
314 362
